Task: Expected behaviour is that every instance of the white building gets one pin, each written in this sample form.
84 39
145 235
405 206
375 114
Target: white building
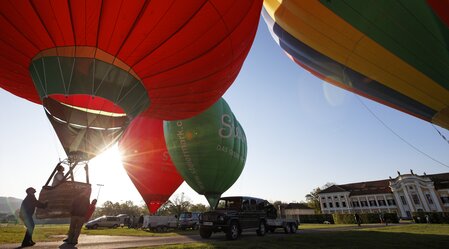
405 194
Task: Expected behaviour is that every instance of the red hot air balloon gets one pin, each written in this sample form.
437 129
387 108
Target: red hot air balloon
147 162
168 59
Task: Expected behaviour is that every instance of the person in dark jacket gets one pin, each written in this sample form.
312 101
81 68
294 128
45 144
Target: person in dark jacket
90 210
80 206
27 209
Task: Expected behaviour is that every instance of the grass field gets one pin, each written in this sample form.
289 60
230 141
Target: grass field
14 233
314 236
419 236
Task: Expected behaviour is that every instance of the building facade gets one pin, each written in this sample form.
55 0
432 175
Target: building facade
294 210
405 194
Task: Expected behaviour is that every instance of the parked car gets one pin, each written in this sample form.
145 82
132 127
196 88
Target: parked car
124 219
189 220
104 221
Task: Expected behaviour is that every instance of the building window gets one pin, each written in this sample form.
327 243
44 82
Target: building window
343 204
410 187
372 203
331 205
324 205
391 202
329 197
429 199
415 199
342 197
322 198
404 202
355 204
337 204
364 203
445 199
382 202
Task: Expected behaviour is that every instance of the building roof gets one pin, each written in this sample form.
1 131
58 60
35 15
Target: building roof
441 181
361 188
296 206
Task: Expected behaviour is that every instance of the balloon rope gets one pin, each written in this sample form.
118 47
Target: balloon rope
397 135
71 73
62 75
45 77
441 134
39 79
53 135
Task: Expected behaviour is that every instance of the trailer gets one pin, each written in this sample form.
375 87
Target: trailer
289 225
159 223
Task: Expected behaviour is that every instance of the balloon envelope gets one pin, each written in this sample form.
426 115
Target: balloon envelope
147 161
169 59
393 52
209 150
164 59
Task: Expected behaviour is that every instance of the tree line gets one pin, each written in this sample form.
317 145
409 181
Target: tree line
178 204
181 203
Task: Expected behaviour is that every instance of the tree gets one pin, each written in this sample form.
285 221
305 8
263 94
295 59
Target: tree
179 204
313 200
198 208
110 208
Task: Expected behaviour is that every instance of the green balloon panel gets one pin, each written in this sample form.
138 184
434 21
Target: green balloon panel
208 150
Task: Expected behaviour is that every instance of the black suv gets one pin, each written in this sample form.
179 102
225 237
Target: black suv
233 214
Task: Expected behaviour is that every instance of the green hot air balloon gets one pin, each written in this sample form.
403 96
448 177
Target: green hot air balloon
208 150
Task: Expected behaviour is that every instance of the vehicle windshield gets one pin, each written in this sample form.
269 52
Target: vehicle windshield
184 216
229 203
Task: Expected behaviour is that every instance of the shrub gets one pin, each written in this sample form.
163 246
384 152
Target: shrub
365 218
434 217
316 218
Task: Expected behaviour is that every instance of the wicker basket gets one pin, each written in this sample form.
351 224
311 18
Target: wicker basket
60 199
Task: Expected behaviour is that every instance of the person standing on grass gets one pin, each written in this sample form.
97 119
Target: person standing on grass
90 210
80 206
357 219
27 209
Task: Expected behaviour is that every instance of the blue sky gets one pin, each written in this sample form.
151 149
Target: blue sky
301 132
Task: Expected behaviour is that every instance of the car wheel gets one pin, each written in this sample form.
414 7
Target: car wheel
272 229
95 226
233 231
195 227
287 228
262 228
115 226
205 233
293 228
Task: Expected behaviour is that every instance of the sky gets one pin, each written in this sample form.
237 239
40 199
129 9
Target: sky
302 133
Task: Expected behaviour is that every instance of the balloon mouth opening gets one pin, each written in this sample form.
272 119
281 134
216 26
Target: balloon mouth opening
83 117
89 103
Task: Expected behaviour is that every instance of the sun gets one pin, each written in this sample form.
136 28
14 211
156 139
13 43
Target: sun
106 170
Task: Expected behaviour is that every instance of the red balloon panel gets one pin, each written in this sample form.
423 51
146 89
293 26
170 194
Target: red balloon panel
147 162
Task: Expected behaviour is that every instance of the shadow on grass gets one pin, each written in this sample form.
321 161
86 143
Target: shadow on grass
330 240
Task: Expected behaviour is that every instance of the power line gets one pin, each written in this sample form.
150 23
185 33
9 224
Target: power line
441 134
397 135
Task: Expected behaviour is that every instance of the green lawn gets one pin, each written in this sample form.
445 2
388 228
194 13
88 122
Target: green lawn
391 237
313 236
323 226
14 233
